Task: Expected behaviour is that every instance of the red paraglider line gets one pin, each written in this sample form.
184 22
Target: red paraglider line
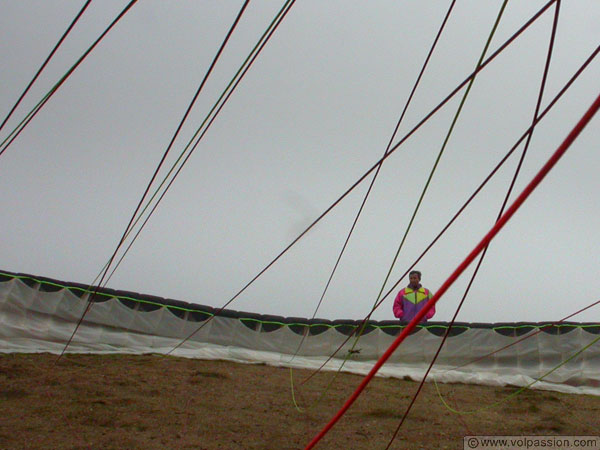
374 167
541 329
464 206
462 267
504 203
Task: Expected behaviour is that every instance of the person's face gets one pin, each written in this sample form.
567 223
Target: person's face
414 279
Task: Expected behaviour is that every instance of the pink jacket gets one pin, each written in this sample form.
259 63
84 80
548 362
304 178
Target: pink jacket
410 301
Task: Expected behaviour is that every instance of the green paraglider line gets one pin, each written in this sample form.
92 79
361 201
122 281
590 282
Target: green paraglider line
434 111
441 152
506 198
539 330
552 161
366 197
408 102
432 172
476 192
296 405
518 391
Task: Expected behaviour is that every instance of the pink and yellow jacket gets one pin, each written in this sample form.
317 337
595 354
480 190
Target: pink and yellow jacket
409 302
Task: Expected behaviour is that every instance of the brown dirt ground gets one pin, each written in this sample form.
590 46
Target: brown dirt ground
156 402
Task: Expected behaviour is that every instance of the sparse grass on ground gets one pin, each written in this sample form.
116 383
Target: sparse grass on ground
156 402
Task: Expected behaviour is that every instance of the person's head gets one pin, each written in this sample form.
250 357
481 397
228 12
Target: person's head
414 277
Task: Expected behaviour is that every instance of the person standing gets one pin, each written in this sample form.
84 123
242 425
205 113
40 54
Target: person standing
411 299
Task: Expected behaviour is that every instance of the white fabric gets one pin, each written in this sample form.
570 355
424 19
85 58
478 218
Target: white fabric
32 321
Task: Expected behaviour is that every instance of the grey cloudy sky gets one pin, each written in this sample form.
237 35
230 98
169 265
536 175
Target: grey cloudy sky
314 112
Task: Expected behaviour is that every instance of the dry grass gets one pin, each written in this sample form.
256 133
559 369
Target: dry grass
155 402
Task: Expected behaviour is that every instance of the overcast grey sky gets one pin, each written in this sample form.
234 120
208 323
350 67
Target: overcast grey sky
312 115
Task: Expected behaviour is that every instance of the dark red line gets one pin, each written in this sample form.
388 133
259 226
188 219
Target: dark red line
52 91
378 163
470 199
127 229
43 66
504 203
463 266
